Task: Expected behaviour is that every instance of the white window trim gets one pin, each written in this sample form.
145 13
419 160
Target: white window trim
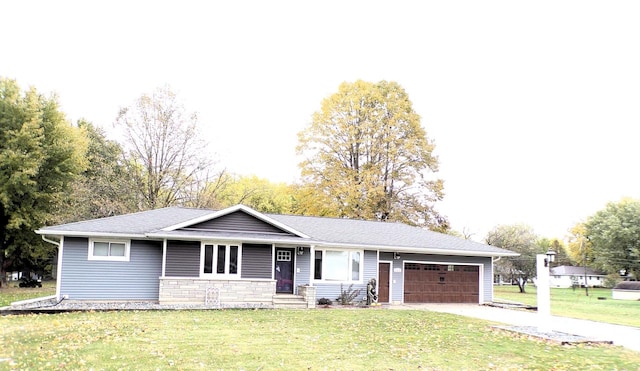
323 280
214 262
127 249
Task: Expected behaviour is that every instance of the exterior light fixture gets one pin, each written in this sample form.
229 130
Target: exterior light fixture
396 256
300 250
551 257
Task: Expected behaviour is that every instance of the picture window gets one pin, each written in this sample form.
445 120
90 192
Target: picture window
338 265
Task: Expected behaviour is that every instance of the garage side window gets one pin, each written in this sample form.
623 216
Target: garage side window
113 250
338 265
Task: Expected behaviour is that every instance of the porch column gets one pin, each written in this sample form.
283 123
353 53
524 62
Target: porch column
312 263
164 256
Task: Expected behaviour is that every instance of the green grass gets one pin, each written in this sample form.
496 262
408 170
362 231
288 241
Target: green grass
360 339
11 292
575 304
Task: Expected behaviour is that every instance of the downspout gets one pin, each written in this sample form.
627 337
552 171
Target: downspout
493 272
493 265
54 242
59 265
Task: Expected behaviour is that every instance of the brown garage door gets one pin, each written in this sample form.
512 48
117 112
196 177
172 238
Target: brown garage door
437 283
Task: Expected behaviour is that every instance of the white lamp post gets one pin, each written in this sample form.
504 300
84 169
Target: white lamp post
543 263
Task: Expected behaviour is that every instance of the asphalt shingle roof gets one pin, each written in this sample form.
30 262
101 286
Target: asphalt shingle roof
363 232
136 223
320 230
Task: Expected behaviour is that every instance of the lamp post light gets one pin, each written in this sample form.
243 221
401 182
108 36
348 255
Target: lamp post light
543 264
551 257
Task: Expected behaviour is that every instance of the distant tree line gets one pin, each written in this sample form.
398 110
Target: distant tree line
608 241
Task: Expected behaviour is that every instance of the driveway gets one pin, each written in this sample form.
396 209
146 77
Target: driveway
626 336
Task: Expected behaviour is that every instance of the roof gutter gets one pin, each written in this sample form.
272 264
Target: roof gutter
89 234
321 244
318 244
228 238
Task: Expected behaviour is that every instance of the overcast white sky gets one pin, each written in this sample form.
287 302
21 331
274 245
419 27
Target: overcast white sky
533 106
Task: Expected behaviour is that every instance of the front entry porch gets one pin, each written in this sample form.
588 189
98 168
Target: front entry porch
232 293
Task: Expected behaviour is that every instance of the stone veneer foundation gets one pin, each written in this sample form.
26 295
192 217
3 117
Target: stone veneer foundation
308 293
222 293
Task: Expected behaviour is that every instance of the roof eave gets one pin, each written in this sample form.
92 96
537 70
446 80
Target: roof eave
419 250
170 236
302 241
50 232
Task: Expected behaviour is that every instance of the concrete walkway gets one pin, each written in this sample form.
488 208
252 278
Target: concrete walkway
626 336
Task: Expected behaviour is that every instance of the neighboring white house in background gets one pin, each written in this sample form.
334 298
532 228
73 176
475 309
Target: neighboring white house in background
566 276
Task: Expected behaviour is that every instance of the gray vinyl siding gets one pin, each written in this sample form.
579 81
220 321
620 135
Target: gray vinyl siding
257 261
183 259
303 268
397 268
137 279
238 221
370 270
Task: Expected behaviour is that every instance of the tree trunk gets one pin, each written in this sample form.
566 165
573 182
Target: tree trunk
3 273
521 283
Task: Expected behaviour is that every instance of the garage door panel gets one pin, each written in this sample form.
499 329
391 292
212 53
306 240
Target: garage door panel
437 283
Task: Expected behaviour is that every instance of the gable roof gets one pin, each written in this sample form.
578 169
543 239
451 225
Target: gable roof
173 223
231 210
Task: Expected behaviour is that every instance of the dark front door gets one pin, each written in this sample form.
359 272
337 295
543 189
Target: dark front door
383 282
284 270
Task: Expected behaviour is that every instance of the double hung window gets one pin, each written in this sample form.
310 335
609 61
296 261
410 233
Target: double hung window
220 259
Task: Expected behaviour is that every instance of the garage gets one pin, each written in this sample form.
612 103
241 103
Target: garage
441 283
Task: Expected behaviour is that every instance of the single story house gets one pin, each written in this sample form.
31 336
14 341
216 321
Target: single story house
566 276
239 257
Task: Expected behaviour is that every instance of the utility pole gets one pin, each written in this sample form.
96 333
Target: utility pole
584 263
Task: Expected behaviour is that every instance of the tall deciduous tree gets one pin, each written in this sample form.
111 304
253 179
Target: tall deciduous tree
166 156
40 154
257 193
614 233
104 188
366 156
579 246
519 238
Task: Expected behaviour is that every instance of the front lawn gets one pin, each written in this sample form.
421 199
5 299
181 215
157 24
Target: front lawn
11 292
285 339
575 304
